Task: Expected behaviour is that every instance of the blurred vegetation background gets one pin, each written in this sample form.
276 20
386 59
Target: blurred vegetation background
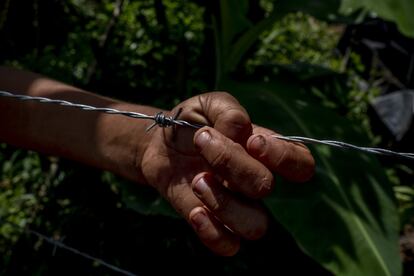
160 52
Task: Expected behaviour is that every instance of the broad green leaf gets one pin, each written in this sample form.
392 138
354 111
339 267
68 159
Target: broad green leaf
246 40
231 21
346 217
398 11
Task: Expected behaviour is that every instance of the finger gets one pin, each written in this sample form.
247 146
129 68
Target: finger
292 161
226 115
213 234
246 218
230 161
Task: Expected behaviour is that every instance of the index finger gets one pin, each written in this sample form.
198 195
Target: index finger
292 161
230 160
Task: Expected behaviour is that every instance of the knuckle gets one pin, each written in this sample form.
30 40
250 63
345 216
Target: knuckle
225 94
209 100
238 117
263 186
256 232
284 155
221 203
299 167
221 159
307 169
212 237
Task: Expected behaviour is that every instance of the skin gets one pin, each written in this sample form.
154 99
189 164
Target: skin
213 176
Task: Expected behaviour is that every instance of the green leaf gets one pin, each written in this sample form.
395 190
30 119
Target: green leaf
346 217
247 39
231 21
398 11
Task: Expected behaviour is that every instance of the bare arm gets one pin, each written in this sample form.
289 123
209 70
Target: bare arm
105 141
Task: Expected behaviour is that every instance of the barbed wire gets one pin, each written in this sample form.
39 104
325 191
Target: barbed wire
59 244
161 120
343 145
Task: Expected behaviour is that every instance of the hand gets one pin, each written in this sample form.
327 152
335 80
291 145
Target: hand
214 176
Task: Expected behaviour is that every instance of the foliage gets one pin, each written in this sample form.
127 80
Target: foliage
277 57
298 38
138 52
335 201
399 11
25 181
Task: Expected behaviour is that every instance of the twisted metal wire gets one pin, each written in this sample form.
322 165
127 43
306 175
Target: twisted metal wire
161 120
342 145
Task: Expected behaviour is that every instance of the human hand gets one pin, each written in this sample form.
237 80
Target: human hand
214 176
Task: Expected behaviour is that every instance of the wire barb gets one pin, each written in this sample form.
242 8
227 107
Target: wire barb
162 120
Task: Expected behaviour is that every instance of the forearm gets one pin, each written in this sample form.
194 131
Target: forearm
110 142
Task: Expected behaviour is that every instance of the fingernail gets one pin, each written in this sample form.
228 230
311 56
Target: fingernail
200 187
202 139
259 142
199 221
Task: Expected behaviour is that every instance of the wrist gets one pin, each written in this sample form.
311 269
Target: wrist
126 141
